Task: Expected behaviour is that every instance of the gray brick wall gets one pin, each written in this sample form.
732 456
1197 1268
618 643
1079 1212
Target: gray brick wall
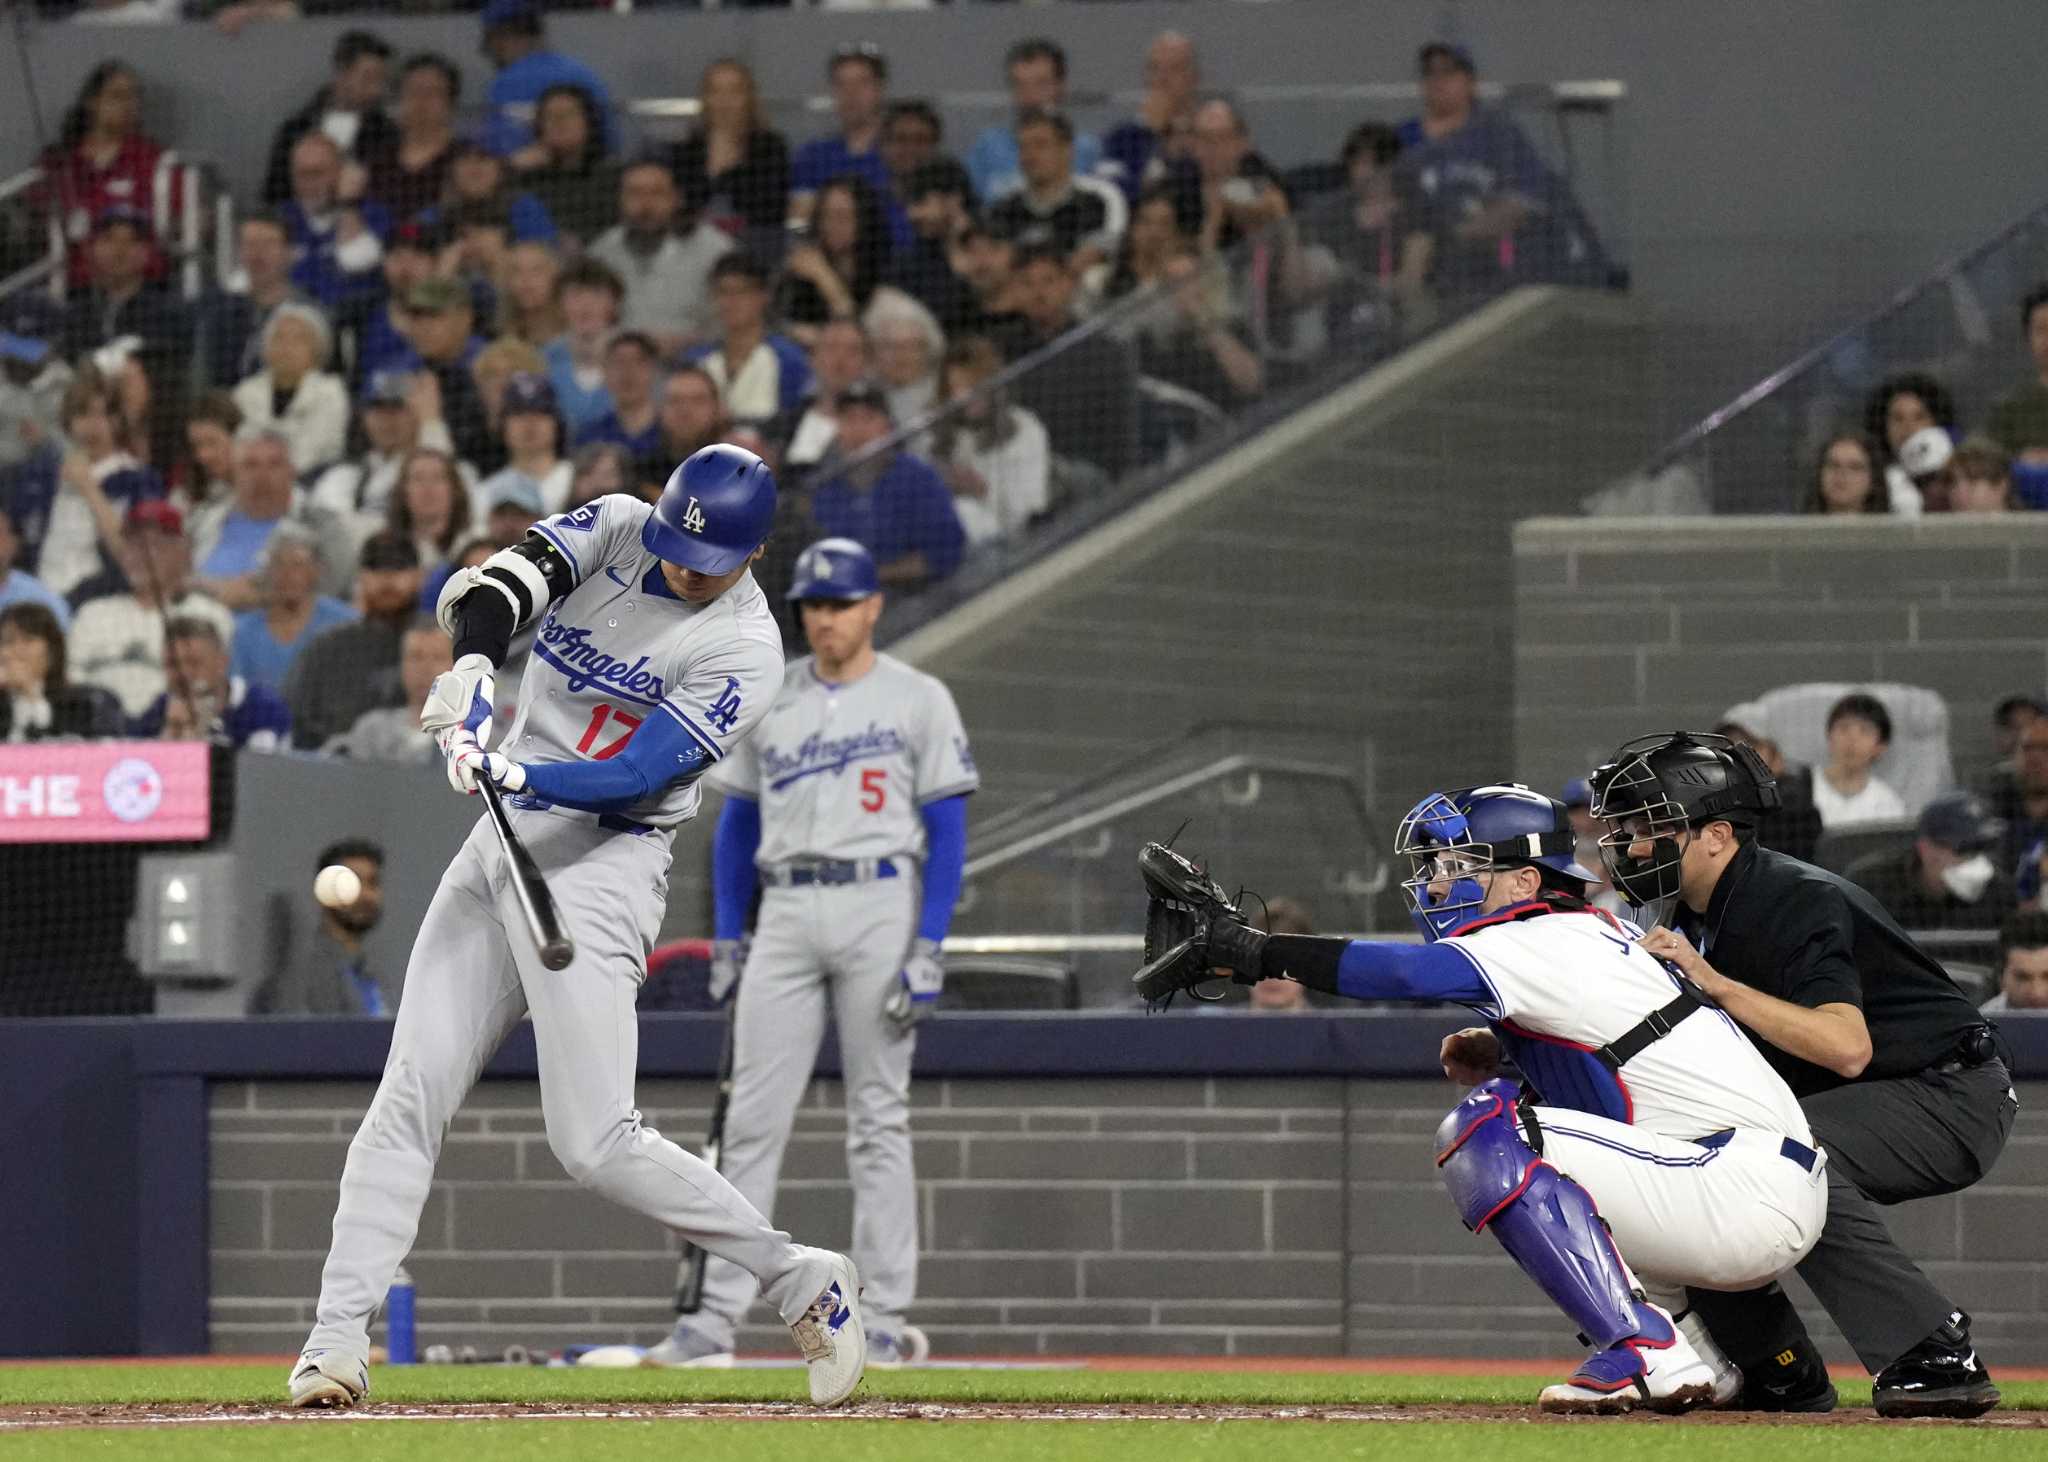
1156 1216
1625 626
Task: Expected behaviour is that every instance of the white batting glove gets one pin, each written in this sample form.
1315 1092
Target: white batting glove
728 958
467 764
916 991
461 699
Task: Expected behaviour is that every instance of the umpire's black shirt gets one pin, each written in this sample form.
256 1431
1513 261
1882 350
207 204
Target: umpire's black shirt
1800 933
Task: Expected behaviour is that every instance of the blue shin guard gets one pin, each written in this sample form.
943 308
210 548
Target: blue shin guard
1545 1221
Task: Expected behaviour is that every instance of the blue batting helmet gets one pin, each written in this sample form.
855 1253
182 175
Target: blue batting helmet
716 510
1451 837
834 568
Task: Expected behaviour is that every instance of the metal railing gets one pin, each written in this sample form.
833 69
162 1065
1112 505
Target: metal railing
50 266
192 214
1752 453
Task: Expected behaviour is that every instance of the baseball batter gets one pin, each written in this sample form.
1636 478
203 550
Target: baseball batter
848 810
1637 1096
656 657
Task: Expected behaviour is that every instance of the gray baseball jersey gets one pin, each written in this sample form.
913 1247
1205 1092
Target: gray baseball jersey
620 647
841 771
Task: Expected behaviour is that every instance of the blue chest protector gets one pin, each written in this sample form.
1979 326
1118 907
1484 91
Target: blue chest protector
1565 1075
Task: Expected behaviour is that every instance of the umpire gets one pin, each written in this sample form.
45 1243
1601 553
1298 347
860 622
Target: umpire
1898 1073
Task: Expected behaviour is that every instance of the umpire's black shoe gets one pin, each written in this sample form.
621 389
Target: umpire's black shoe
1795 1379
1941 1376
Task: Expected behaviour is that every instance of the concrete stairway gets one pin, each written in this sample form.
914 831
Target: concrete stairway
1356 586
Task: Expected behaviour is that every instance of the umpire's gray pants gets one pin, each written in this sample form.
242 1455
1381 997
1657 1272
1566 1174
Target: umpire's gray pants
1887 1141
473 974
820 950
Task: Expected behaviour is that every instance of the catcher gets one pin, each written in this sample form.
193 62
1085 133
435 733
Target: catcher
1643 1112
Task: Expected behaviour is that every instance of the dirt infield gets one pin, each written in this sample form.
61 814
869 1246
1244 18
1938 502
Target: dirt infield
36 1418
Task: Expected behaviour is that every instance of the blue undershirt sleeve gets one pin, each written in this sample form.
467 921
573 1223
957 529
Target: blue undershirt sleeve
733 844
1370 970
945 835
660 755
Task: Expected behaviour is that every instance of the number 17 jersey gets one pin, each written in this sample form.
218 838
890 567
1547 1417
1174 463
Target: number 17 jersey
844 770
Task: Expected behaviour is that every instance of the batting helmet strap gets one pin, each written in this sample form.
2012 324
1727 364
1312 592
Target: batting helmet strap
715 511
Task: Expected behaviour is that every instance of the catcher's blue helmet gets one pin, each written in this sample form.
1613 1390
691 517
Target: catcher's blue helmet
1450 837
834 568
716 510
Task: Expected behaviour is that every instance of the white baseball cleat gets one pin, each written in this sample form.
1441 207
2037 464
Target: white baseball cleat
688 1348
1727 1374
328 1378
1655 1370
831 1337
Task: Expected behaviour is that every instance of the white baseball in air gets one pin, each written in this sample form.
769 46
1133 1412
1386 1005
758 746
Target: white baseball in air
337 886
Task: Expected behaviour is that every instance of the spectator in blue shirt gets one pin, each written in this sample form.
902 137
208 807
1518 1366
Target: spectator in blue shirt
1143 150
370 321
760 375
1481 206
588 296
1037 69
631 366
516 42
337 239
207 703
894 504
859 80
480 183
269 638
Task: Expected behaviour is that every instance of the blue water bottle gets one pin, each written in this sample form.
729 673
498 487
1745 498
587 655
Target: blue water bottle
398 1318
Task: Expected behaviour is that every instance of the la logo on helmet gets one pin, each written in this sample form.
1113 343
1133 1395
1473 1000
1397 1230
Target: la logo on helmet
693 517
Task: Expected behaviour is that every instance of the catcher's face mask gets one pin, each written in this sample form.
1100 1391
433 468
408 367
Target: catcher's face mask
1445 888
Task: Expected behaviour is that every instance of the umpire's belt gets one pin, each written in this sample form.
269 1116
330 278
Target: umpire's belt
826 871
1798 1152
609 822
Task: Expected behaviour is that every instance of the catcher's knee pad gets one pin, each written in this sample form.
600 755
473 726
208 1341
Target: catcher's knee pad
1545 1221
1481 1152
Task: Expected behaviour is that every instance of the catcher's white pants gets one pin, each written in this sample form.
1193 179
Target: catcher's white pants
473 974
1731 1217
822 950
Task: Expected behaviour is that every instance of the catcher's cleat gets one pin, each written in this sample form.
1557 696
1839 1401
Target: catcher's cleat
1655 1370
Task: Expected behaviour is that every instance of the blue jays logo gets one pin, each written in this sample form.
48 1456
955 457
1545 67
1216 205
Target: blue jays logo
726 709
584 519
966 756
567 647
816 753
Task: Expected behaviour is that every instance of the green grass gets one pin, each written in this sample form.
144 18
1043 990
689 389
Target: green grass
345 1438
83 1384
913 1441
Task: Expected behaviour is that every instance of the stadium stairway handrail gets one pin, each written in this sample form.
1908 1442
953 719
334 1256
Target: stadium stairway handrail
1941 277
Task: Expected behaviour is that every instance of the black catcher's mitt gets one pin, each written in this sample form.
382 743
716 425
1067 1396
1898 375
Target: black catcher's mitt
1191 928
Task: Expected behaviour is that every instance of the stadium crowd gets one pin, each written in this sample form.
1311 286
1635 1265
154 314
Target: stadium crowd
1910 455
233 503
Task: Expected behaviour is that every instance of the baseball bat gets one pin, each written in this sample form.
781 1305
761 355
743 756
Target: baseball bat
535 902
690 1269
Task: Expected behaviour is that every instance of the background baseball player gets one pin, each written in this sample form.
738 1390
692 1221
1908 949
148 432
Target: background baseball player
848 808
1637 1096
656 657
